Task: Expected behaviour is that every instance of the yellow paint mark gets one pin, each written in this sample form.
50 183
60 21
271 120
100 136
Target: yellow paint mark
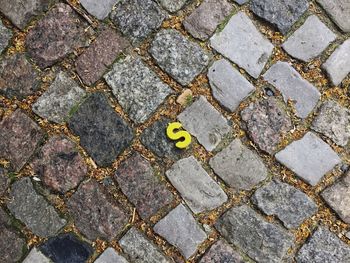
174 133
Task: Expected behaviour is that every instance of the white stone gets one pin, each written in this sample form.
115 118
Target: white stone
35 256
110 256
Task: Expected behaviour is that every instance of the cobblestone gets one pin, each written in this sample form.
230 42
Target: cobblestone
35 256
221 252
4 181
173 5
339 11
5 36
110 256
99 9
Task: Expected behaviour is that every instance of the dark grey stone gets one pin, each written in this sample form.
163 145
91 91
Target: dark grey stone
5 36
4 181
221 252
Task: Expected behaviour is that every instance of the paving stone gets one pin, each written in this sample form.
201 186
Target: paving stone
110 256
94 62
103 133
59 164
281 13
181 58
19 137
155 139
4 181
241 2
202 22
5 37
55 36
339 11
99 9
138 89
181 230
35 256
197 188
323 247
173 5
33 210
333 121
137 19
204 122
238 166
338 64
288 203
139 183
140 249
310 158
22 12
95 214
310 40
58 101
293 87
18 78
66 248
11 246
221 252
337 197
242 43
262 241
266 121
228 86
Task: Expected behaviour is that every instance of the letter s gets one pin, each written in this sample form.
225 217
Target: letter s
175 134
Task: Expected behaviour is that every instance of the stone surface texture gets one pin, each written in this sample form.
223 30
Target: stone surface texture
100 9
4 181
173 5
221 252
110 256
35 256
5 36
339 11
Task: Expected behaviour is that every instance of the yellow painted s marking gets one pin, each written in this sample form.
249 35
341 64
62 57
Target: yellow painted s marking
174 133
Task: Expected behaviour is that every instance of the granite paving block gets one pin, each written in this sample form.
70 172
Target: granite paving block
202 22
110 256
197 188
103 133
35 256
242 43
181 58
57 102
339 11
221 252
293 87
204 122
4 181
310 158
173 5
100 9
96 214
138 89
310 40
181 230
139 183
238 166
228 86
33 210
5 37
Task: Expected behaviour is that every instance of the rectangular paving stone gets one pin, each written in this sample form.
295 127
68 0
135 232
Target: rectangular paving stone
196 187
5 37
339 11
138 89
110 256
262 241
100 9
221 252
173 5
242 43
181 230
204 122
293 87
310 158
35 256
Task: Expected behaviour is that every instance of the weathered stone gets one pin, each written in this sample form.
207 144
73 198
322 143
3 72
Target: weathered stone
35 256
202 22
333 121
103 133
281 13
140 249
181 58
137 19
110 256
33 210
4 181
266 121
241 2
59 164
260 240
11 246
310 158
324 247
288 203
99 9
221 252
181 230
228 86
185 97
204 122
293 87
18 78
5 36
138 89
338 64
238 166
94 62
58 101
55 36
66 248
139 183
197 188
310 40
339 11
19 137
22 12
337 197
95 214
173 5
242 43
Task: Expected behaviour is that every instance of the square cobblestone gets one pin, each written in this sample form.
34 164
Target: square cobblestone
339 11
221 252
100 9
5 37
110 256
